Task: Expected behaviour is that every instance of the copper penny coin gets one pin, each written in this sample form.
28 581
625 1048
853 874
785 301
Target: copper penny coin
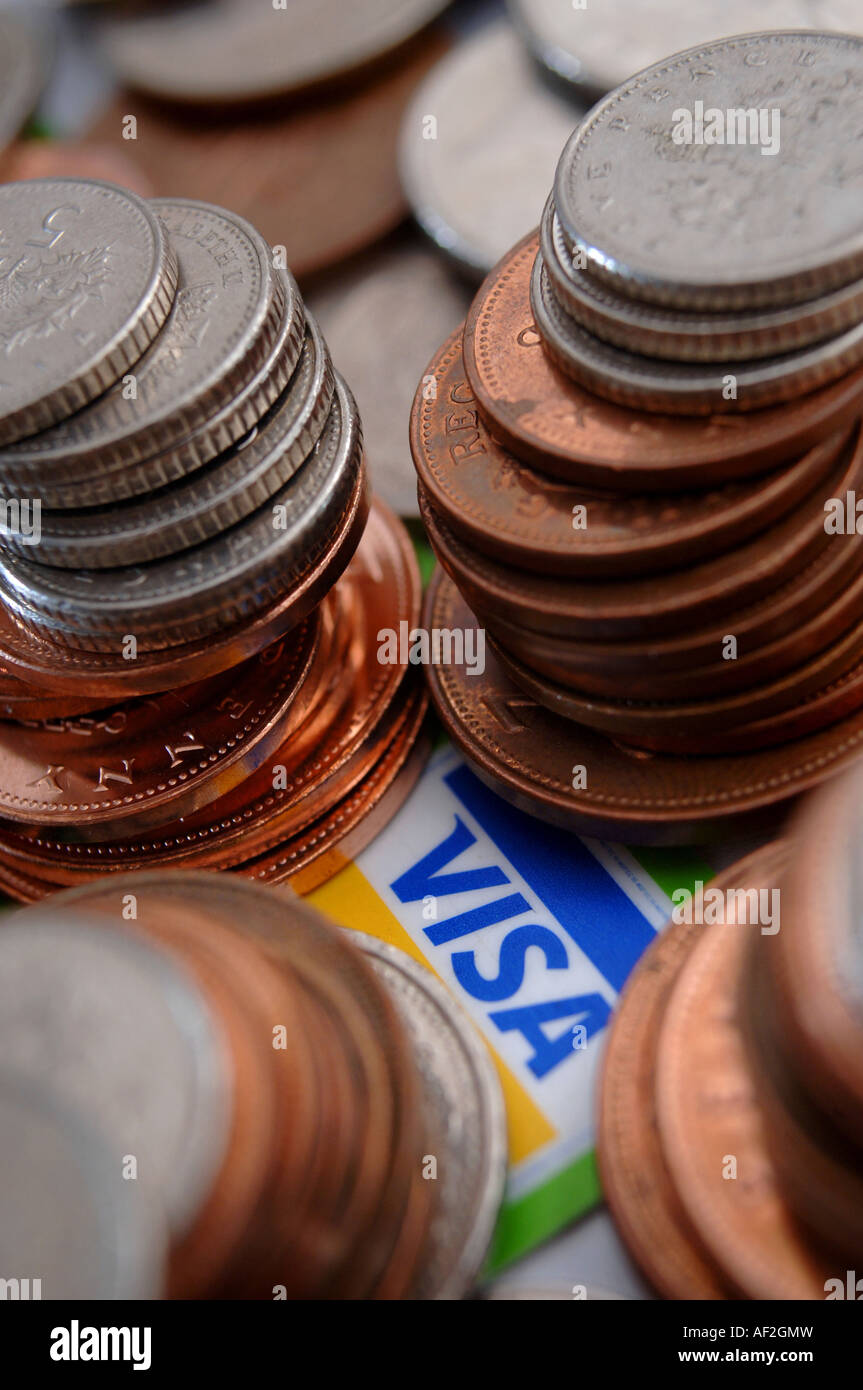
707 1110
504 509
153 758
816 964
629 607
385 581
817 1169
545 418
70 159
108 676
807 700
635 1179
322 181
539 761
774 637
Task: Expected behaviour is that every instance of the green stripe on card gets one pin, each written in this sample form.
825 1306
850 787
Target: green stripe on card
540 1214
672 869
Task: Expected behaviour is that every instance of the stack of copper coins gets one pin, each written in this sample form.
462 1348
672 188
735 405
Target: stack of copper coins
190 599
731 1127
639 463
274 1108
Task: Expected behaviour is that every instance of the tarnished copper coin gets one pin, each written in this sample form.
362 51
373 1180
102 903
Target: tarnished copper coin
580 780
635 1178
549 420
321 181
708 1113
817 964
807 700
506 510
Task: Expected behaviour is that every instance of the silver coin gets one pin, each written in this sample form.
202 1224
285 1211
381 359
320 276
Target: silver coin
479 146
598 45
87 279
67 1217
684 388
697 337
724 226
24 59
231 50
216 585
208 501
464 1116
382 324
125 1038
221 330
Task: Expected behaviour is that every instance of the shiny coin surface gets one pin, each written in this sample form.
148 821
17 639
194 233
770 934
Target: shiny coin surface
464 1118
381 323
479 147
230 51
685 388
147 1069
63 1195
224 321
596 47
87 279
767 228
546 418
655 331
212 498
220 583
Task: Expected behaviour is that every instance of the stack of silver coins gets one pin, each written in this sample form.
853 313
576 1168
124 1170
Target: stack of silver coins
735 299
170 415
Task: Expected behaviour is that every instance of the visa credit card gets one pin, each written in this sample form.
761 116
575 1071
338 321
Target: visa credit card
534 930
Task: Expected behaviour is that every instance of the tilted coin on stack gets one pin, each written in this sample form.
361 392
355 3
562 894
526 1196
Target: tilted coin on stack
190 599
304 1111
639 458
731 1118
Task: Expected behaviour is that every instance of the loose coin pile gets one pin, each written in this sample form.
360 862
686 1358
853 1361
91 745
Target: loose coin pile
731 1119
182 677
658 546
223 1096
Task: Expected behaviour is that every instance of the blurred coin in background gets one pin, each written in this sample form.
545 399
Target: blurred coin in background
597 44
71 159
383 320
321 181
479 146
25 57
239 51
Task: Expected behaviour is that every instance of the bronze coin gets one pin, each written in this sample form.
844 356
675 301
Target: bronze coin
708 1115
504 509
320 180
777 635
816 964
154 758
579 780
809 699
818 1171
635 1179
545 418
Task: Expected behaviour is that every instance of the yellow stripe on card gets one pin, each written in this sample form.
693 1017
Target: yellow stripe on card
350 900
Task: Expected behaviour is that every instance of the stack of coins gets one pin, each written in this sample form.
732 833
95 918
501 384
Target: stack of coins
172 537
639 463
731 1126
273 1108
